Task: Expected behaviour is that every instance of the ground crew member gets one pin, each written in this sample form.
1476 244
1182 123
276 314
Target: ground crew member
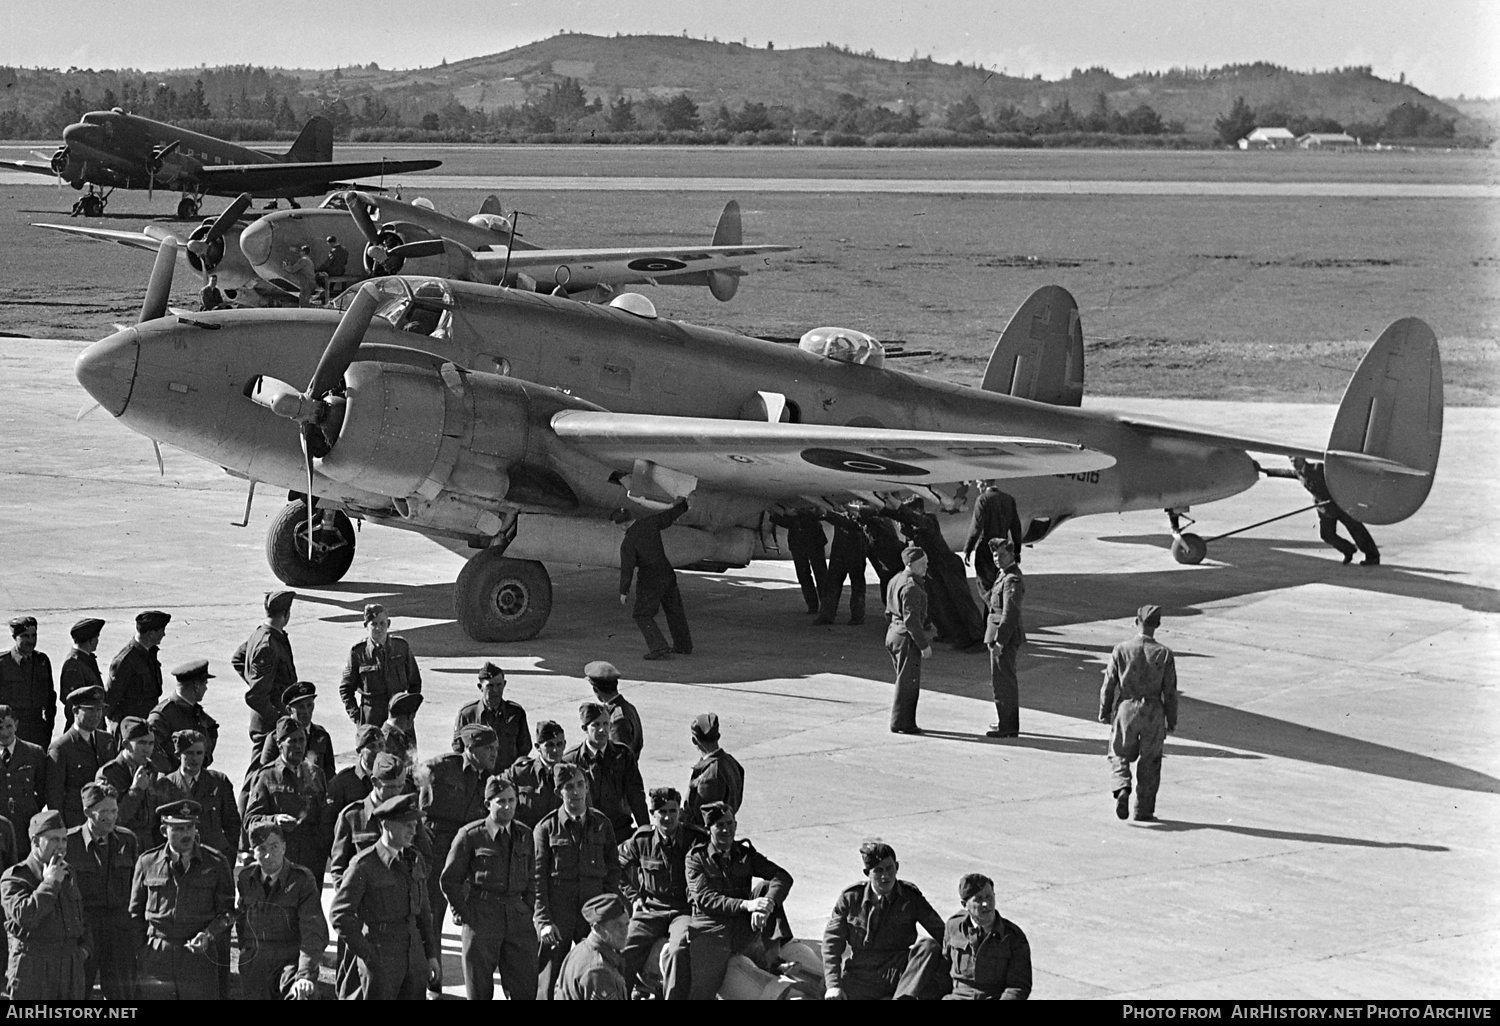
730 917
591 972
717 777
378 668
133 776
906 638
75 757
209 296
23 771
352 784
184 711
81 668
875 923
505 718
989 956
48 933
453 797
265 663
26 684
615 785
642 557
1139 701
994 516
653 877
134 685
381 910
1330 514
304 274
536 795
884 544
846 560
950 598
295 788
300 701
218 813
102 857
807 543
489 880
181 902
401 722
576 859
333 266
280 924
1005 634
624 721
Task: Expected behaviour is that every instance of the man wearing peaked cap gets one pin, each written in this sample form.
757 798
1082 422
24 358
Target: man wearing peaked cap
49 934
132 774
718 776
104 857
26 684
135 682
183 710
356 828
352 783
591 972
536 794
266 664
81 668
293 786
1139 701
624 721
73 760
614 775
379 667
300 701
453 796
505 717
282 931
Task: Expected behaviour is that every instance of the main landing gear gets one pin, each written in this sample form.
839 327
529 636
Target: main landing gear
500 599
188 207
332 546
1187 547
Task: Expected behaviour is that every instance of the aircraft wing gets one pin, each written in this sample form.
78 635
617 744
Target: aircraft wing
590 266
251 177
135 240
794 459
1160 429
34 166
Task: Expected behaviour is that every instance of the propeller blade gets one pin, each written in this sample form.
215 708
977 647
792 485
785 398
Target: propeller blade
307 454
161 467
344 344
361 214
413 250
159 289
226 220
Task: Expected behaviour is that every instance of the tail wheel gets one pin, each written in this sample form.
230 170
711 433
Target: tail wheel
499 599
332 546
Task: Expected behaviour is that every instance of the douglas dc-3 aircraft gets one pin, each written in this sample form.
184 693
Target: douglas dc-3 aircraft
514 424
116 150
413 238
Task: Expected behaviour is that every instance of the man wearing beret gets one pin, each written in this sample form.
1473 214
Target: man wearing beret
352 784
591 972
875 924
49 934
181 902
219 814
300 701
401 721
536 795
615 783
489 880
355 829
265 663
103 857
74 759
294 787
183 710
906 637
505 718
81 668
26 684
624 721
576 859
717 777
643 558
453 797
1139 701
381 910
730 916
379 667
23 771
279 909
653 876
135 684
1004 634
133 776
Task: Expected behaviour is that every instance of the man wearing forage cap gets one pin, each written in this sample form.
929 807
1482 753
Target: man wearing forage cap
26 684
293 786
81 668
1139 701
135 682
536 796
614 776
494 710
906 637
717 777
591 972
453 797
49 934
75 757
265 662
183 710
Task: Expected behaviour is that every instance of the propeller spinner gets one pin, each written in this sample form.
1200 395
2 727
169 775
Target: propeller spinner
205 246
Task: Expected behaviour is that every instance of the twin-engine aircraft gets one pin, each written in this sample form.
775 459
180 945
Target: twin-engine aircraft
116 150
513 424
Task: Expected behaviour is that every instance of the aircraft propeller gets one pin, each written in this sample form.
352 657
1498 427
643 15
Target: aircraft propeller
154 163
201 243
159 287
58 161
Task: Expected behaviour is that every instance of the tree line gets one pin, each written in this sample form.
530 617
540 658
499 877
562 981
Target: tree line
1405 121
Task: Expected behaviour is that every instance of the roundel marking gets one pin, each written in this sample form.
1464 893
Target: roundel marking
740 459
859 463
656 264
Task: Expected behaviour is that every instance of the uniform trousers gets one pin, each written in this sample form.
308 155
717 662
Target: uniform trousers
499 933
838 572
908 973
664 596
1137 735
567 916
397 970
112 962
267 971
170 972
1006 687
812 573
45 971
647 926
907 659
1328 530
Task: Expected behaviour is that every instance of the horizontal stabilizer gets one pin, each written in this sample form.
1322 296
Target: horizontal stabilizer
1040 353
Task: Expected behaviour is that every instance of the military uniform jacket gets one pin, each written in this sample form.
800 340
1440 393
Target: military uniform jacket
23 782
453 795
219 826
103 866
718 882
137 810
615 785
79 670
591 972
373 674
654 868
640 549
906 608
9 853
27 688
995 966
174 901
508 722
72 761
37 912
625 725
299 792
850 546
995 516
353 833
1141 669
319 751
286 912
872 931
1003 627
134 685
265 662
576 856
804 533
383 890
348 786
174 714
536 796
717 777
490 863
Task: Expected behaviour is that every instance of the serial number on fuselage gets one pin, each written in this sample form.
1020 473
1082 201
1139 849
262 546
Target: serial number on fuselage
1088 477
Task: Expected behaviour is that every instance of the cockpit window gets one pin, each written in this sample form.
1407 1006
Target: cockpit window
420 305
844 345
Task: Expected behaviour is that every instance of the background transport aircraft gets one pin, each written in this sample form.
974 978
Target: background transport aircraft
512 425
116 150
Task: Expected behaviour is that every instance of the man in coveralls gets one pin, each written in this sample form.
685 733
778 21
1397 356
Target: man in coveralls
1139 700
642 557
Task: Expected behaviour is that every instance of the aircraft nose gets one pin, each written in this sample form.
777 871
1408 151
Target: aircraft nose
255 243
80 133
106 370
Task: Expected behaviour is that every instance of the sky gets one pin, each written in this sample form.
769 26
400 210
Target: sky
1446 48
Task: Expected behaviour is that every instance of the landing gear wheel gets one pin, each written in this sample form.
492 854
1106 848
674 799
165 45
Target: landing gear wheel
1188 548
93 205
187 208
286 546
499 599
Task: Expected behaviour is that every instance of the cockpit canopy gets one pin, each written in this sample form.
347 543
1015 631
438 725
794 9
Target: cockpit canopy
420 305
844 345
491 222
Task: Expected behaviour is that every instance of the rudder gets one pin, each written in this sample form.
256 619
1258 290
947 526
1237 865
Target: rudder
1039 355
728 232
